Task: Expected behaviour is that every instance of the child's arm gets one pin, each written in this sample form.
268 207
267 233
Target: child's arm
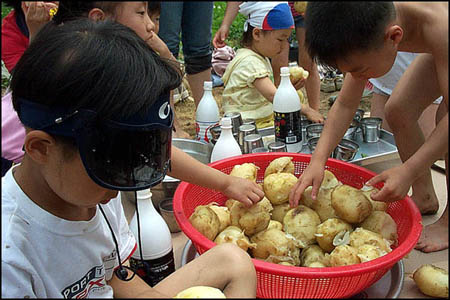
37 14
339 118
266 87
186 168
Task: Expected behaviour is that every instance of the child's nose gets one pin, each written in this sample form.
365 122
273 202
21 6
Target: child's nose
150 24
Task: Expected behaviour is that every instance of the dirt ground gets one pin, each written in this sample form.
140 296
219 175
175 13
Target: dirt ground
185 109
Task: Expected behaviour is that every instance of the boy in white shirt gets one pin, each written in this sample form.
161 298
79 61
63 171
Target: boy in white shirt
93 128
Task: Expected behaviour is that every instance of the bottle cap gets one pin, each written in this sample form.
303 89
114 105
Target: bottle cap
207 85
284 71
143 194
225 122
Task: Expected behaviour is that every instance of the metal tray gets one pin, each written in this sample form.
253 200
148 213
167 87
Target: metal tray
388 286
369 153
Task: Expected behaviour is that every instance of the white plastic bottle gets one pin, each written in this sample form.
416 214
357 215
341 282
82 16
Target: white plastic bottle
286 108
207 114
157 250
226 145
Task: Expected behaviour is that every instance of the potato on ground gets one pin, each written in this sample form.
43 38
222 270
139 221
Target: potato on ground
280 165
432 281
301 222
205 220
234 235
205 292
327 231
246 170
350 204
277 187
382 223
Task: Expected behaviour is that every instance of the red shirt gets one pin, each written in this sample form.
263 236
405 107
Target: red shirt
14 42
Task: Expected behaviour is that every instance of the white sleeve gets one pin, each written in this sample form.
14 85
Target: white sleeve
16 282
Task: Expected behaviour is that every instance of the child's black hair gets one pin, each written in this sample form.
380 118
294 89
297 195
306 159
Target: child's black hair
154 7
103 66
336 29
247 36
70 10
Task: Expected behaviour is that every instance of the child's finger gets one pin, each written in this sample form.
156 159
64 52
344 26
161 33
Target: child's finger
374 180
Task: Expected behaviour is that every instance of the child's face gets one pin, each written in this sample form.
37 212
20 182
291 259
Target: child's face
155 19
135 16
270 44
67 177
368 64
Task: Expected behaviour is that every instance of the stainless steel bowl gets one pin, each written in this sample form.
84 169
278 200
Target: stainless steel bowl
313 130
312 143
346 150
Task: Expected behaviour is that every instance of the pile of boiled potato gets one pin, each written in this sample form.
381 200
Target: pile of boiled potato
343 226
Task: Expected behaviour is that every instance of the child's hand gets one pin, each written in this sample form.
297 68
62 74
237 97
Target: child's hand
159 46
397 182
313 175
312 115
243 190
37 14
298 83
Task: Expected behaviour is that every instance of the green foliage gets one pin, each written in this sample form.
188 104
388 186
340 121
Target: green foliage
5 10
236 29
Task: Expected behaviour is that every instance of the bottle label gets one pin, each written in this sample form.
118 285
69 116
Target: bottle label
154 270
202 131
288 127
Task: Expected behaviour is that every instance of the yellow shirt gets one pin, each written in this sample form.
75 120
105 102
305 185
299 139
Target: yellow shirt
240 95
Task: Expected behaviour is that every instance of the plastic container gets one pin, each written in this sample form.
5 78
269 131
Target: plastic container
278 281
286 108
226 146
207 114
157 252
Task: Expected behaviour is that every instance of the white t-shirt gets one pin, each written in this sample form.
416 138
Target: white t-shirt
45 256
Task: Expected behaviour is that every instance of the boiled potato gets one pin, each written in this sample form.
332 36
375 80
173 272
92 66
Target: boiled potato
274 242
289 260
280 165
224 215
350 204
344 255
246 170
279 211
205 220
329 180
301 222
277 187
300 6
201 292
306 198
275 224
382 223
317 264
361 236
303 101
377 205
313 254
322 205
369 252
251 219
297 73
327 231
234 235
432 281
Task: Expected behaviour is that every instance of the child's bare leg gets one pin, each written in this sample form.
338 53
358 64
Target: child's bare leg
416 90
311 114
434 237
226 267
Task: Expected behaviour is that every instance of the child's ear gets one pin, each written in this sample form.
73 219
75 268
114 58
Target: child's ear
256 33
37 145
394 34
96 14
